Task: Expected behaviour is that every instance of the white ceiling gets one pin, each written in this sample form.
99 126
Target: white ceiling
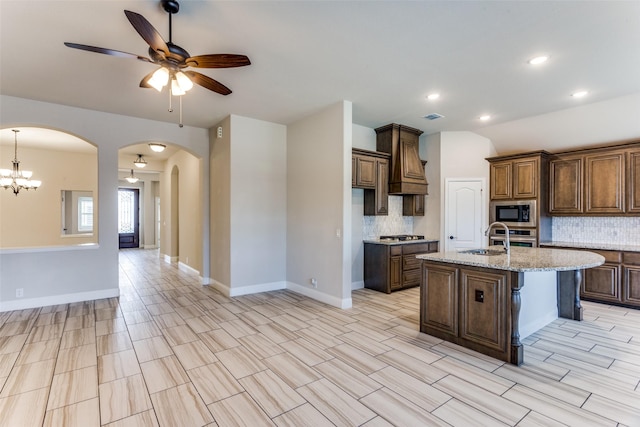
384 56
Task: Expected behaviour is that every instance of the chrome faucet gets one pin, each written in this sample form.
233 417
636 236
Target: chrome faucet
506 234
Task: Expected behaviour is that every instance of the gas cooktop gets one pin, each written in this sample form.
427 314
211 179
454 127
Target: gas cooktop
403 237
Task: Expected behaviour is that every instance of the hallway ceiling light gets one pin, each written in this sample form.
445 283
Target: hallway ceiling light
132 178
580 94
15 178
140 162
538 60
158 148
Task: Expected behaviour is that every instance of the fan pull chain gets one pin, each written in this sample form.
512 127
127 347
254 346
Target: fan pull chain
170 107
180 124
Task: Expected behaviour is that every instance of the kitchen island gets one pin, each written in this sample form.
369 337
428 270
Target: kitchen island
476 300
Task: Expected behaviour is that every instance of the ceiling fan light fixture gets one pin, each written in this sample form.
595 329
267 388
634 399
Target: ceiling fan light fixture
158 148
159 79
176 90
185 82
140 162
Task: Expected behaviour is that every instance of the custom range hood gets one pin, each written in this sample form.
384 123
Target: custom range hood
407 169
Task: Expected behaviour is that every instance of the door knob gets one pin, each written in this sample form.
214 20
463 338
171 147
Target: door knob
451 237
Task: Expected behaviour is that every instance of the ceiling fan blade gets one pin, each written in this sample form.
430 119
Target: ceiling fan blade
221 60
147 32
208 82
106 51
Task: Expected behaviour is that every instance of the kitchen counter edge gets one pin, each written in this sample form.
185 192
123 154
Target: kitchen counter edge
522 259
596 246
400 242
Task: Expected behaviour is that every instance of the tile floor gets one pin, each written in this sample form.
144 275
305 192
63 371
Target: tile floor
169 352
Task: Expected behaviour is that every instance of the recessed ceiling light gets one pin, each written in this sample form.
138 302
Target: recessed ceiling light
579 94
485 117
538 60
433 96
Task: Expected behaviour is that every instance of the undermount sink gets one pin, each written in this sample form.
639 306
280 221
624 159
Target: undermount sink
484 251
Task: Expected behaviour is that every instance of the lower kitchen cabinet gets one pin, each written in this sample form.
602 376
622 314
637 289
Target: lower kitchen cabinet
392 267
468 306
617 281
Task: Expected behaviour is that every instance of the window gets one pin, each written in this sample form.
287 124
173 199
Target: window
85 214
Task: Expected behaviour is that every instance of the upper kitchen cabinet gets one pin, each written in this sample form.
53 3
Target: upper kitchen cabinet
604 183
600 181
370 171
518 176
407 170
633 181
565 185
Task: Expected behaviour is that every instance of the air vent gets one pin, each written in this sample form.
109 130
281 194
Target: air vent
433 116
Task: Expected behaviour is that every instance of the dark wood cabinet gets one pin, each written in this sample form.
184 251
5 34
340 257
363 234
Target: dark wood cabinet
617 281
516 177
597 181
439 300
604 183
631 279
370 171
413 205
633 181
467 306
565 185
402 143
602 283
391 267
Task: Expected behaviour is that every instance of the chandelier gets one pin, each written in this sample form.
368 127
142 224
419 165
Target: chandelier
14 178
140 162
132 178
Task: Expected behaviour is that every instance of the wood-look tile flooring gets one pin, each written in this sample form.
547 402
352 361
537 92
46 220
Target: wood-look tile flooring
170 352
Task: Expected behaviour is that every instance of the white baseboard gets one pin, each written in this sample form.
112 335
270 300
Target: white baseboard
224 289
320 296
187 268
255 289
169 259
357 285
150 246
23 304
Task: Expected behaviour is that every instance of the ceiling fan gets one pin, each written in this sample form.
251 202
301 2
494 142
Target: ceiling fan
172 59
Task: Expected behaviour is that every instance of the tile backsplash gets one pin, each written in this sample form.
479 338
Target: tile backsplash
620 230
394 223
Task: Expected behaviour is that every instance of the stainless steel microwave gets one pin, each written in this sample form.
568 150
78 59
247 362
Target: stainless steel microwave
520 213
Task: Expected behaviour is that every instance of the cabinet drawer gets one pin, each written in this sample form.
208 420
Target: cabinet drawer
609 256
632 258
410 262
415 248
411 278
395 250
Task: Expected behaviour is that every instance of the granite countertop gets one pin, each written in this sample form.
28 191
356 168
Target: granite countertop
522 259
601 246
401 242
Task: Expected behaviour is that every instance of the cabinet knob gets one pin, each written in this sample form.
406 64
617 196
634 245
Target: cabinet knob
451 237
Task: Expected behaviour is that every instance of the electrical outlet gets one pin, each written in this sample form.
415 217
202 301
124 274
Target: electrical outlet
19 292
314 282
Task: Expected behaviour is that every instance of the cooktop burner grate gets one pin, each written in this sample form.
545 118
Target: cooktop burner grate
402 237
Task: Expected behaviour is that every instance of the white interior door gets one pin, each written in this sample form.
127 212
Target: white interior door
464 214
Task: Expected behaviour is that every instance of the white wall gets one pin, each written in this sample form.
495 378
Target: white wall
77 274
258 204
319 205
451 155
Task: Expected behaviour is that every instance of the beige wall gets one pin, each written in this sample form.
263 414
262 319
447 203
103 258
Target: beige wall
34 218
184 244
220 177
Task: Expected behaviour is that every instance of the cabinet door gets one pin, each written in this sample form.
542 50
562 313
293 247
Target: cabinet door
633 182
565 185
483 308
631 285
395 272
413 205
500 180
525 178
365 172
602 283
439 300
604 183
376 201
